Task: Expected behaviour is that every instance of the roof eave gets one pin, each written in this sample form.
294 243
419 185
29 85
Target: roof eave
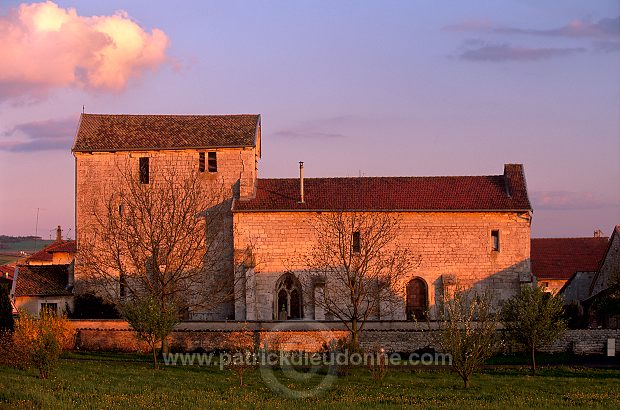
381 210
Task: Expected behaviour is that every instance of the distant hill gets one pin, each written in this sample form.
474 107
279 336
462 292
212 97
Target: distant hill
11 246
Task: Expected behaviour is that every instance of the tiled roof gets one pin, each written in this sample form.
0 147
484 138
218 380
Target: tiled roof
42 280
559 258
6 271
101 132
63 246
452 193
45 254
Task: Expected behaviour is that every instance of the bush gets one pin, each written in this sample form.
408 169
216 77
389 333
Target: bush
40 341
6 309
533 318
151 321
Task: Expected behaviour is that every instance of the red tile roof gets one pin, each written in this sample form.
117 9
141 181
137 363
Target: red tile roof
559 258
42 280
63 246
45 254
100 132
451 193
6 272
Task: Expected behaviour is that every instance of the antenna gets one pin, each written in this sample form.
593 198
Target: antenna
36 224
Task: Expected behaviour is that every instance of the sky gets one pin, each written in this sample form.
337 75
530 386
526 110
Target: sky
374 88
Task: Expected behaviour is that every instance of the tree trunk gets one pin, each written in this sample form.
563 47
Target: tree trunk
533 360
466 382
154 357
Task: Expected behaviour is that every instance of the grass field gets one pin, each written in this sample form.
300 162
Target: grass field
118 381
30 246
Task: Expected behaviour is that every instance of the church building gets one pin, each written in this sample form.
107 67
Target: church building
468 231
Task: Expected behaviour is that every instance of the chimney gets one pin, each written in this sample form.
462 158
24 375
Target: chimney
301 182
59 234
598 233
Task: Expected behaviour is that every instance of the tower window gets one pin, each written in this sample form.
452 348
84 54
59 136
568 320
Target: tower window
212 162
201 162
144 170
357 245
495 240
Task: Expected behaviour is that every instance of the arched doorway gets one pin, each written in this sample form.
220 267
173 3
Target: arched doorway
417 299
288 298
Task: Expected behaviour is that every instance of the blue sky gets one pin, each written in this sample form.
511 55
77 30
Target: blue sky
377 88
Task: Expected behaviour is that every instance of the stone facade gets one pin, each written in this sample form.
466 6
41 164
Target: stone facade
609 272
454 245
99 173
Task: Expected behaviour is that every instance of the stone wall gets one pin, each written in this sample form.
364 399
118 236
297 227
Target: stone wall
396 336
98 176
449 244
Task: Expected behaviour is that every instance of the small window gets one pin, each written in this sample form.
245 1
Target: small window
144 170
120 210
50 307
357 245
201 162
212 162
495 240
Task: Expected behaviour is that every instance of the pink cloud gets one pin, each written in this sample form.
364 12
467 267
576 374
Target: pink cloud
45 46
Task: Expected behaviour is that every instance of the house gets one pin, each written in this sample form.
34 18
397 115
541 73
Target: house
556 260
470 231
44 280
603 304
38 287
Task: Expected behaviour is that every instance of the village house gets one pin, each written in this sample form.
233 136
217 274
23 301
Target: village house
556 260
469 231
44 280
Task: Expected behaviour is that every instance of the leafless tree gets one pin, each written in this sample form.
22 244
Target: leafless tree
467 330
165 237
359 265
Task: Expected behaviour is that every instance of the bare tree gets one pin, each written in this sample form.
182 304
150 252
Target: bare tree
467 330
164 236
359 265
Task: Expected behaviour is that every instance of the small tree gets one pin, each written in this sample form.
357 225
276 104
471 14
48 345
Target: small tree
43 339
357 259
468 332
534 318
151 321
6 309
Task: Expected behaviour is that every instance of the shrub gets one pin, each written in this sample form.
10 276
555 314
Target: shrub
533 318
41 340
6 309
151 321
468 332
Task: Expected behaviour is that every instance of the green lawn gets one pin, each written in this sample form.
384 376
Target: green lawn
126 381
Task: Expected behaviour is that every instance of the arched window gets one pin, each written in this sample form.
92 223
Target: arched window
417 299
288 298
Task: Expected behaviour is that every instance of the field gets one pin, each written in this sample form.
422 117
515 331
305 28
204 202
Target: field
9 252
117 381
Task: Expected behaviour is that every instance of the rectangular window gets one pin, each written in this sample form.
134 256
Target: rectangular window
495 240
144 170
357 245
50 307
212 162
201 162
